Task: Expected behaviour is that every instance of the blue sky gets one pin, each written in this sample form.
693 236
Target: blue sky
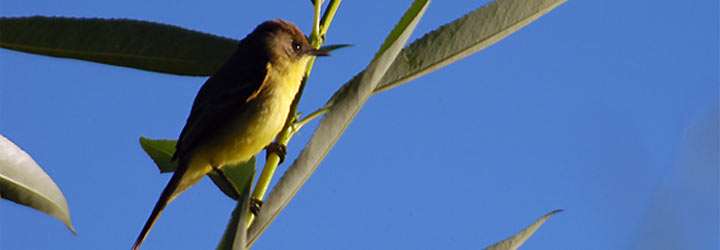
607 109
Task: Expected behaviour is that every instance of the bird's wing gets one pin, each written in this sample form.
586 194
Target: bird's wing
222 95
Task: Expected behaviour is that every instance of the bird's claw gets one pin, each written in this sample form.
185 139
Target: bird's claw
255 206
279 149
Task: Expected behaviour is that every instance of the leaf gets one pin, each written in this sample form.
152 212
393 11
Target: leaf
123 42
237 174
460 38
518 239
161 150
336 120
24 182
410 16
232 237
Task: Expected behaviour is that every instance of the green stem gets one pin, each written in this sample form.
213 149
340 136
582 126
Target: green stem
288 129
316 21
299 124
328 16
317 113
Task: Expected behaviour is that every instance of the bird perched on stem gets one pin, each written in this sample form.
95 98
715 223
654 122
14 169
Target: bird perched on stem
240 109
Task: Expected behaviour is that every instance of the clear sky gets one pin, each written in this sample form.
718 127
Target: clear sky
607 109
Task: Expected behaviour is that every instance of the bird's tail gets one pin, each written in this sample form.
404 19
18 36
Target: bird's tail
179 179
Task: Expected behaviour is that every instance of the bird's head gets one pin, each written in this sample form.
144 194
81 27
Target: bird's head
283 41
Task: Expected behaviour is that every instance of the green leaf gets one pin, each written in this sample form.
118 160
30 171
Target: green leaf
518 239
236 174
161 150
460 38
336 120
234 238
130 43
24 182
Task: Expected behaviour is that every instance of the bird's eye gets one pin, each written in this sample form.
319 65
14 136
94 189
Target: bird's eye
296 46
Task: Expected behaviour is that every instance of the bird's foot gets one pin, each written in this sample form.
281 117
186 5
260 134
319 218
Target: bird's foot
277 148
255 206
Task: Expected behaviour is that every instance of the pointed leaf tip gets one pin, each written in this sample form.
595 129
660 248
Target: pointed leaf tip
160 151
518 239
23 181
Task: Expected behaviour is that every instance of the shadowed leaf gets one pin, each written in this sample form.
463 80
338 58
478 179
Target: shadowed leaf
123 42
237 174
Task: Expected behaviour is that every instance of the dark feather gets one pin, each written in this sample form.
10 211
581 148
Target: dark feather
223 95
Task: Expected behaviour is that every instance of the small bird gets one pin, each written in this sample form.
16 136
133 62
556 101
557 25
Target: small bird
240 109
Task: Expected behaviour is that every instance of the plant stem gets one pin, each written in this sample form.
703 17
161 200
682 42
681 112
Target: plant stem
328 17
289 129
299 124
317 113
316 22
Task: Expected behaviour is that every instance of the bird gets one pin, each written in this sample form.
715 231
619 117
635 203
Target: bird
240 109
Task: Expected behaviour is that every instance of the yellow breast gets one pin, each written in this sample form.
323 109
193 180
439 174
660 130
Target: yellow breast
247 134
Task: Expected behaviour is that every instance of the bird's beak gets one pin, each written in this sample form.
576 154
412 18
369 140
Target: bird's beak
318 52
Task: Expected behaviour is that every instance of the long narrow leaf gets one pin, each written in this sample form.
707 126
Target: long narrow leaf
336 120
24 182
122 42
460 38
518 239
